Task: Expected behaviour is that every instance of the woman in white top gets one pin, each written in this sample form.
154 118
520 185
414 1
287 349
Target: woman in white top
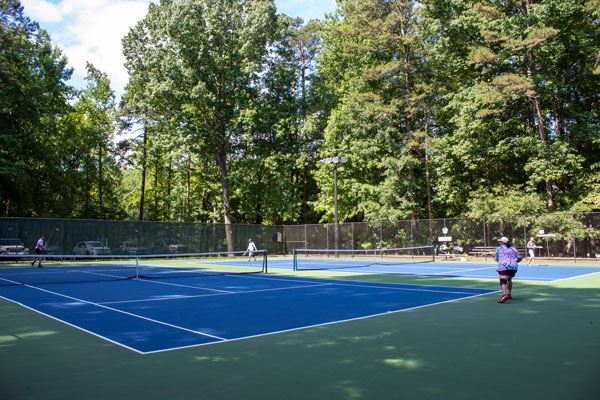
251 249
531 246
40 248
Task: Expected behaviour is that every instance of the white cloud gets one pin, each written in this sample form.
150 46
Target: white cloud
95 34
91 30
42 11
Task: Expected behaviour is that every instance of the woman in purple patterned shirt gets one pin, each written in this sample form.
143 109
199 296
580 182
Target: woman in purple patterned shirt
508 258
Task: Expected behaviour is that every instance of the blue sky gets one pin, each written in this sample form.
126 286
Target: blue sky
91 30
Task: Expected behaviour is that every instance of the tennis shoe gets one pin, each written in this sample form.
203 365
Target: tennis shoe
504 298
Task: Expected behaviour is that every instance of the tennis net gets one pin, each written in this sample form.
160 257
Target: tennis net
311 259
18 270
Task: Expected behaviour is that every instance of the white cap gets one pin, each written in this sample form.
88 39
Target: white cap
503 239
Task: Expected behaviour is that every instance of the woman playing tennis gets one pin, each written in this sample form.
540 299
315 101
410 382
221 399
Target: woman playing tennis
508 258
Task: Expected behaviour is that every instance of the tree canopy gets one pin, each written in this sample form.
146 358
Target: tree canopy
444 108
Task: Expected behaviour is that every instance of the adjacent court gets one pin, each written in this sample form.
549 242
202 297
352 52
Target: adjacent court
153 315
458 269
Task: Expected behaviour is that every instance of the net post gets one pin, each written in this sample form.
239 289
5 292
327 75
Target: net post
433 252
137 267
294 260
265 270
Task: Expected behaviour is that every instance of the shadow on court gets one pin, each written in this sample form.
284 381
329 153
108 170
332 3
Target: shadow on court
545 344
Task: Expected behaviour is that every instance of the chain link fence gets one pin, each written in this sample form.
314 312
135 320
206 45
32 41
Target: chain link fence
560 234
127 237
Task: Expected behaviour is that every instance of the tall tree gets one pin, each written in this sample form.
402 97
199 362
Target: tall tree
374 62
305 43
215 50
97 109
33 97
519 81
147 98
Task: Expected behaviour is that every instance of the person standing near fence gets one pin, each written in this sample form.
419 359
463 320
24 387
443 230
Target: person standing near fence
40 248
508 258
251 249
531 246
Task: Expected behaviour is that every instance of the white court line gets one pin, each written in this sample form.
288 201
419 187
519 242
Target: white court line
318 325
321 280
73 326
216 294
333 283
350 283
11 281
124 278
545 266
119 277
313 280
409 272
125 312
316 284
185 286
62 272
574 277
403 288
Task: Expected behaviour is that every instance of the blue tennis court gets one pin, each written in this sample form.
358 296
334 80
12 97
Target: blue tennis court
442 268
149 315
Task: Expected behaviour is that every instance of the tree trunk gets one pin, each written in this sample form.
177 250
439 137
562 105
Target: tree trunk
144 157
304 65
87 200
222 163
167 210
537 106
539 114
406 49
156 172
188 191
258 209
558 126
428 179
305 191
100 187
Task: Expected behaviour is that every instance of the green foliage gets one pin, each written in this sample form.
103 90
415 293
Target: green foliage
33 98
589 189
564 226
374 123
555 161
500 203
443 108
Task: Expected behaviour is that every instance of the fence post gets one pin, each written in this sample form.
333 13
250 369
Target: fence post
305 246
485 242
574 242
